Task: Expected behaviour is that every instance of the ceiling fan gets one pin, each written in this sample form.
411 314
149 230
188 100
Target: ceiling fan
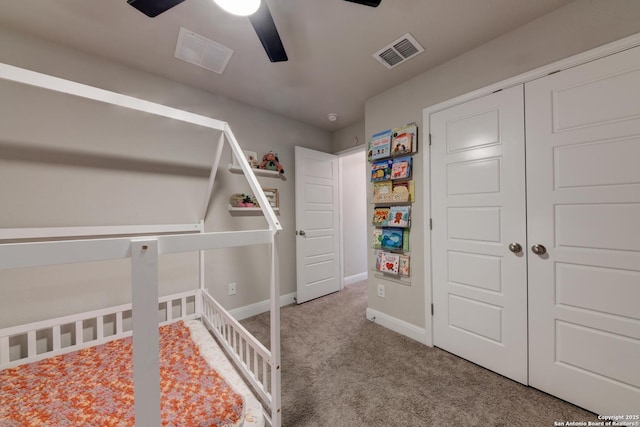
261 20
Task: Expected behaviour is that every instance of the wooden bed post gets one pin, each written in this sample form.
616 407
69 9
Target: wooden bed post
146 337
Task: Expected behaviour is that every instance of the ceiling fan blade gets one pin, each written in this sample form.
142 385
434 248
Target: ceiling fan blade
267 32
153 8
372 3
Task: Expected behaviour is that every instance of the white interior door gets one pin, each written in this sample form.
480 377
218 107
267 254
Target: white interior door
583 185
317 224
478 209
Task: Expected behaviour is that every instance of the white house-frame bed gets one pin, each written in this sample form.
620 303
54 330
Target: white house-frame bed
259 366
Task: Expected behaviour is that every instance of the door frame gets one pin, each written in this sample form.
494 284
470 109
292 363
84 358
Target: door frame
570 62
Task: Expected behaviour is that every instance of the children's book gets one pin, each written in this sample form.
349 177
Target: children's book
380 216
382 191
401 168
402 191
405 240
392 238
390 263
377 238
399 216
403 267
379 260
381 170
404 140
380 145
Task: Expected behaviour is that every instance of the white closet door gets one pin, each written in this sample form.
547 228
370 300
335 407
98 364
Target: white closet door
479 285
583 186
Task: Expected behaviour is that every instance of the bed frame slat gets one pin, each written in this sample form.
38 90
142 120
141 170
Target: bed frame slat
57 337
4 350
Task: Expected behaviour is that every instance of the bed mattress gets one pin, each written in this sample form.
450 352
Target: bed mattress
94 386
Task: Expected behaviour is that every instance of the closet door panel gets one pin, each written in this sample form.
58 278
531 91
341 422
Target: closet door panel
583 206
477 187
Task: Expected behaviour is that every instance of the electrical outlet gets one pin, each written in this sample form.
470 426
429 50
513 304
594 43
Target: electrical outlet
381 290
232 288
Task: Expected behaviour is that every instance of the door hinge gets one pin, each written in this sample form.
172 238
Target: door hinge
429 139
430 224
432 309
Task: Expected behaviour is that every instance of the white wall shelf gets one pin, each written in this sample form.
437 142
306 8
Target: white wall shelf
258 172
404 280
248 211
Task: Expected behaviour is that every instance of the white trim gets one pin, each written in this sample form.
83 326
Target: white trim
570 62
109 230
426 196
341 222
355 278
251 310
400 326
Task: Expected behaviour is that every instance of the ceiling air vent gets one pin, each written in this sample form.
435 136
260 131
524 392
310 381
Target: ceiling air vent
399 51
201 51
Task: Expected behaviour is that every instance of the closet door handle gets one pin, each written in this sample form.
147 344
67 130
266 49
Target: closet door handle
516 248
302 233
538 249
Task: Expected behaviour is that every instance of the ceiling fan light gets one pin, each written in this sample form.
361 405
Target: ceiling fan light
239 7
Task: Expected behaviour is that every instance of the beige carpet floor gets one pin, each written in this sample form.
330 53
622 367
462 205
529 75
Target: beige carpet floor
341 370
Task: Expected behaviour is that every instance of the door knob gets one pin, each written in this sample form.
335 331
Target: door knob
538 249
302 233
515 247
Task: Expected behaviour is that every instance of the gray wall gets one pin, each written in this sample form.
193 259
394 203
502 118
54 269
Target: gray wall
577 27
67 162
349 137
354 209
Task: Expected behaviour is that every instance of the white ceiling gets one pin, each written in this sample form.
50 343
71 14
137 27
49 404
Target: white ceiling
330 44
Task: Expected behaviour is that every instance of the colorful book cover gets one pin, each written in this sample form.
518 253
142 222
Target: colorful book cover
404 140
403 267
377 238
405 240
381 170
382 191
392 238
379 260
401 168
399 216
380 216
380 145
402 191
390 263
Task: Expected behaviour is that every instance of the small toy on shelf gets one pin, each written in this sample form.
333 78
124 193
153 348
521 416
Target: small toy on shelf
270 162
241 200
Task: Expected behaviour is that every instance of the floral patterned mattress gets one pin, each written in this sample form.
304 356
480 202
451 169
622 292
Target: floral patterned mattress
94 386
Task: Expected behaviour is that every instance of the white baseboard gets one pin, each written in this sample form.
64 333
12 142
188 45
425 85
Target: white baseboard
355 278
397 325
250 310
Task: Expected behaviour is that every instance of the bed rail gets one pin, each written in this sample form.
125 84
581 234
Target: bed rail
35 341
248 354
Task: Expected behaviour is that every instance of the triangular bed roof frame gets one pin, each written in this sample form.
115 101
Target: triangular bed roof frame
42 252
